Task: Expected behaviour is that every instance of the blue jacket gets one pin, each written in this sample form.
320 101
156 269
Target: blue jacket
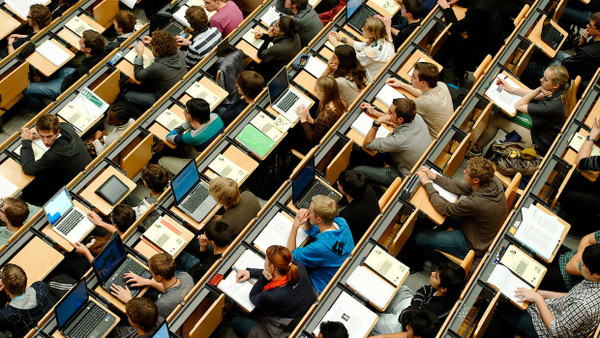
326 254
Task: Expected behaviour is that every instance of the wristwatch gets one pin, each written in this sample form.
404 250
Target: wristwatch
344 40
589 138
375 125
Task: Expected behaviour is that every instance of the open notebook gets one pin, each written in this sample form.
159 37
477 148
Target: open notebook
277 232
356 317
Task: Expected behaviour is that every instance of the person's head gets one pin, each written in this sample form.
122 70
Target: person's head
593 26
590 267
412 9
162 267
479 171
225 191
352 183
122 217
155 178
118 114
163 43
344 57
249 84
425 75
218 233
285 25
39 16
197 18
279 261
555 78
48 127
402 111
420 322
296 5
328 93
197 110
91 43
142 313
332 330
14 279
374 30
213 5
13 211
449 279
124 22
322 210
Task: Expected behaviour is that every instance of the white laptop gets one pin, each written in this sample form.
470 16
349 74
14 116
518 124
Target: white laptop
66 219
284 98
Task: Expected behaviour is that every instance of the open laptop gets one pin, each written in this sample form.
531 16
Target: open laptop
306 185
79 317
285 98
191 193
174 28
112 263
551 35
357 14
66 219
162 331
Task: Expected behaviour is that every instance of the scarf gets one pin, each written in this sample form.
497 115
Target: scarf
276 283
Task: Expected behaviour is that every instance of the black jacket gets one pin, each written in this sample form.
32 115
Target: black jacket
83 68
585 61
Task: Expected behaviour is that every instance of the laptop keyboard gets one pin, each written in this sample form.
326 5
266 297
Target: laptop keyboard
128 265
173 29
317 189
287 101
89 322
196 198
70 222
357 21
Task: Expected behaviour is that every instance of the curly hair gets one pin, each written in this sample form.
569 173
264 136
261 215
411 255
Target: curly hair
482 169
197 17
40 15
163 43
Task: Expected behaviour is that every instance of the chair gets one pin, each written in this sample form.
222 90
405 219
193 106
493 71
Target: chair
482 67
210 320
108 89
403 235
12 86
387 195
133 162
339 163
465 263
511 191
105 11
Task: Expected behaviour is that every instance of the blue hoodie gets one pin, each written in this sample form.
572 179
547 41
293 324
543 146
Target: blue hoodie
326 254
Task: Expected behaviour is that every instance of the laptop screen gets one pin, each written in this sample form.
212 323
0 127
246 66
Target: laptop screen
351 7
303 180
109 258
58 206
72 302
162 331
185 180
277 85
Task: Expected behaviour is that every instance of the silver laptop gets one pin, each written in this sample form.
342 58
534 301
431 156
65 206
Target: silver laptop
191 193
66 219
285 98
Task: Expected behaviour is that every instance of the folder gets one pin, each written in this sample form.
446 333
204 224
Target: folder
255 140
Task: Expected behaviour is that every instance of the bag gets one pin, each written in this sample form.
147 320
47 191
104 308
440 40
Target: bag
515 157
300 61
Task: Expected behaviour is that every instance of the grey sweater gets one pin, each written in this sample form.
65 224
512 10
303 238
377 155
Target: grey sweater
309 24
163 73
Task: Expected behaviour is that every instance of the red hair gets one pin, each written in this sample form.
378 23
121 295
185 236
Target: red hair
281 258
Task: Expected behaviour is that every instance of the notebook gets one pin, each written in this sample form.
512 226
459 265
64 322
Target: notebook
356 317
255 140
372 287
264 123
78 26
277 232
224 167
539 231
503 99
577 141
130 56
251 39
388 94
169 120
53 53
165 236
364 123
7 188
315 66
387 266
523 265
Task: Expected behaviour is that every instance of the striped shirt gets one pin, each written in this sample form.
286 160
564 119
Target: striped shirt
201 45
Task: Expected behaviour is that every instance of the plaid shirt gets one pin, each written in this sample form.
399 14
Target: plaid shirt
575 315
20 321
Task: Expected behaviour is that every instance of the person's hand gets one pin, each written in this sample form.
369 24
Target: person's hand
384 119
430 174
271 31
146 40
595 132
14 37
584 35
267 274
545 92
181 41
242 276
203 241
302 113
81 249
135 280
367 106
386 19
443 4
99 135
332 38
26 134
258 34
332 66
393 82
139 49
423 177
94 218
1 286
122 294
527 295
301 218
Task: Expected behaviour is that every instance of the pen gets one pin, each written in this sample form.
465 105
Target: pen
500 252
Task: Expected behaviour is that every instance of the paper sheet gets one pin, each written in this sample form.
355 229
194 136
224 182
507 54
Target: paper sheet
249 37
363 124
21 7
180 16
264 123
503 99
523 265
38 149
52 53
249 259
169 120
277 232
506 282
387 94
389 6
130 56
282 124
7 188
78 26
356 317
372 287
539 231
239 292
315 67
448 196
76 116
224 167
129 3
162 236
270 16
91 103
385 264
197 90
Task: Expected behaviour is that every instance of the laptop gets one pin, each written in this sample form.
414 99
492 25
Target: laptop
551 35
111 264
66 219
174 28
306 185
162 331
191 193
284 98
79 317
223 47
357 14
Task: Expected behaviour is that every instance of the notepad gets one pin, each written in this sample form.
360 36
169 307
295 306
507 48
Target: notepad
255 140
369 285
503 99
165 235
198 91
539 231
249 260
270 16
130 56
76 116
356 317
277 232
388 94
315 66
39 148
251 39
53 53
169 120
364 123
224 167
264 123
387 266
523 265
239 292
577 141
7 188
503 279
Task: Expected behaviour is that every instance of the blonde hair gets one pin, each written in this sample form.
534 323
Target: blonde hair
225 191
325 208
377 28
560 77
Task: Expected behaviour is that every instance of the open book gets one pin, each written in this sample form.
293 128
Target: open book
224 167
389 6
523 265
249 260
369 285
270 16
239 292
130 56
76 116
503 99
387 266
356 317
364 123
539 231
251 39
39 148
85 108
169 120
448 196
277 232
78 26
198 91
165 236
264 123
507 283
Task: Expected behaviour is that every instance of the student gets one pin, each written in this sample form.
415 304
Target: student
433 99
38 18
282 293
228 15
124 24
333 240
66 157
547 105
555 314
332 330
213 243
118 116
419 323
331 107
587 53
240 209
412 11
13 212
193 136
142 314
156 179
21 307
167 69
439 296
375 52
362 207
482 209
249 84
407 142
281 44
309 24
350 75
204 39
172 289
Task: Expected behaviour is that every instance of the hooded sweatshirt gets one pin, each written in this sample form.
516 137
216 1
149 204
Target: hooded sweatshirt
481 211
23 312
326 254
163 73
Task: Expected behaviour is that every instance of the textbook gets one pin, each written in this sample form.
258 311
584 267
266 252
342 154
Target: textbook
255 140
356 317
78 26
277 232
315 66
503 99
165 236
523 265
224 167
364 123
387 266
130 56
282 124
372 287
53 53
539 231
85 108
198 91
388 94
169 120
76 116
264 123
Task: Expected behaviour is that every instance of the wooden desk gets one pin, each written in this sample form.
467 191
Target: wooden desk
410 62
570 156
127 68
24 19
535 36
37 258
57 333
72 38
148 251
249 49
89 193
114 300
60 240
421 201
46 67
459 12
9 24
307 81
197 226
326 52
212 87
240 159
357 35
12 171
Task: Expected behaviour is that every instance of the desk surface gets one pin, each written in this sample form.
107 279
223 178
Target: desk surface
37 258
212 87
112 299
9 24
12 171
60 240
46 67
89 193
148 251
72 38
127 68
421 201
359 139
410 62
190 221
249 49
535 36
595 112
161 132
240 159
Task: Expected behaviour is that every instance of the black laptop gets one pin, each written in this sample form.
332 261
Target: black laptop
357 13
551 35
306 185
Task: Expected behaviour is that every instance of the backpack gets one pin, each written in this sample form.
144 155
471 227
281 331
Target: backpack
513 157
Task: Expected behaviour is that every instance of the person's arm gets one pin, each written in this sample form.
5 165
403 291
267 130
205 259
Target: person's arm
370 137
137 281
84 251
449 15
573 264
393 82
97 221
586 149
28 163
523 102
565 322
392 335
551 294
301 220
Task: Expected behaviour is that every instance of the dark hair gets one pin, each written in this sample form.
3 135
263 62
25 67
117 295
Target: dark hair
281 258
155 177
94 41
288 26
126 20
428 72
199 109
197 18
142 312
48 122
406 109
423 322
251 83
595 18
14 279
452 277
40 15
300 4
163 43
16 211
218 232
349 66
353 182
162 264
122 217
121 111
333 330
414 7
591 258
